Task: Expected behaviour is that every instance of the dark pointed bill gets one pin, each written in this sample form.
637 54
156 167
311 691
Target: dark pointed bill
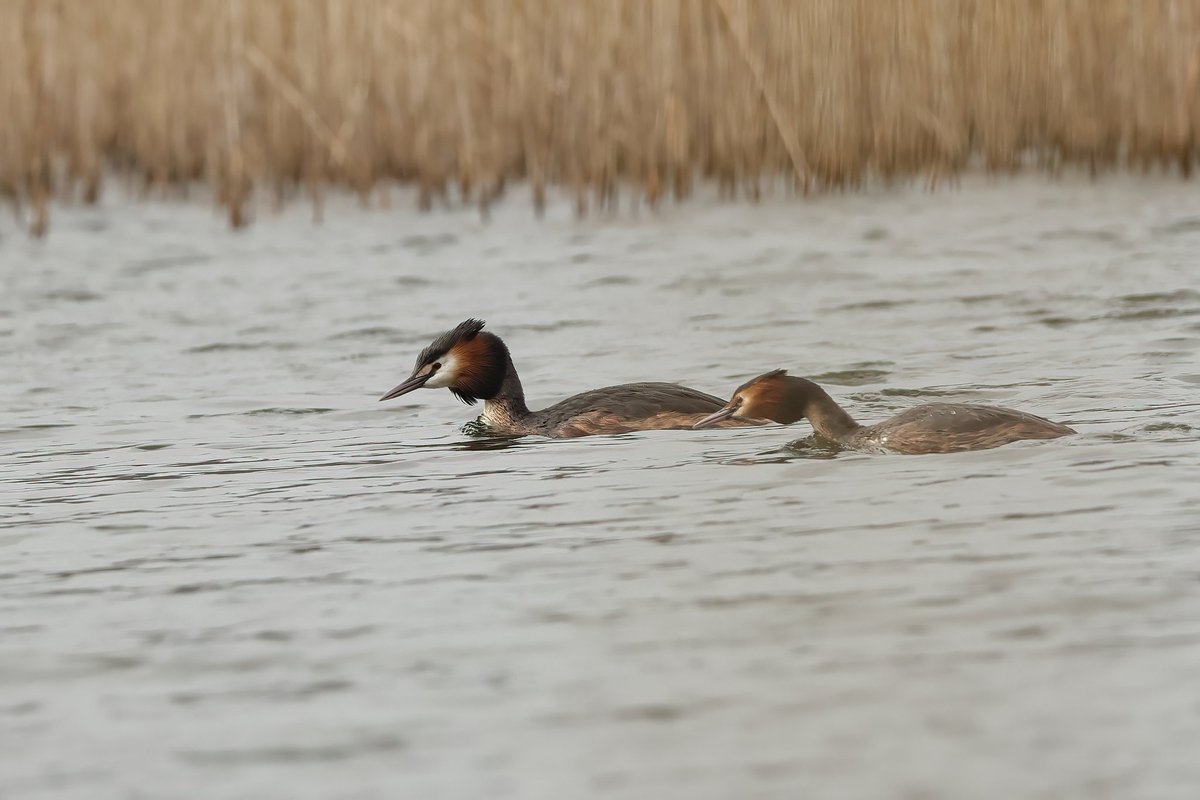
724 413
415 382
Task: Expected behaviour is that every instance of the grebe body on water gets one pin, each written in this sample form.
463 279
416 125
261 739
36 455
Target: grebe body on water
931 428
475 364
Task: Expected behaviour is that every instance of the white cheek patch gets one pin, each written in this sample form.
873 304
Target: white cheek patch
445 376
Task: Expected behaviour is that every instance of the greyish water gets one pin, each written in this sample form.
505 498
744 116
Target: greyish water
226 571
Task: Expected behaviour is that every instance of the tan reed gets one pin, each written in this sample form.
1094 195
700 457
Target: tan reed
464 97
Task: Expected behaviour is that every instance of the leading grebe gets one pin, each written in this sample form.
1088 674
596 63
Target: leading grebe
474 364
932 428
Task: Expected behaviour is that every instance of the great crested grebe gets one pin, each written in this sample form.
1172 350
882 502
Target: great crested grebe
931 428
474 364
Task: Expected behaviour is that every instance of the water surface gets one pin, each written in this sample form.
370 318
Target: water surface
226 569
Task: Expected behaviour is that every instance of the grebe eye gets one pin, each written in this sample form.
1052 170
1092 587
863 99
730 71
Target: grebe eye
435 366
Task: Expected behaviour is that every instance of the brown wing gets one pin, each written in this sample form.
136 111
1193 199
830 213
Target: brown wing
952 427
632 407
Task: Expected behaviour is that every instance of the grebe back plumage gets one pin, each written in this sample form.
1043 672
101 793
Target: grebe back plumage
930 428
475 364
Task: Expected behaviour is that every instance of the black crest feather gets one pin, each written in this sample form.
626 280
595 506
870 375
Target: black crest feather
463 332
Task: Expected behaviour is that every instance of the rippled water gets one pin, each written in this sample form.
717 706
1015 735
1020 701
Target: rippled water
227 571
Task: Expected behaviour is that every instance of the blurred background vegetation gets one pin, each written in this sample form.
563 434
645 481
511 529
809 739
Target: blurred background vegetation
463 97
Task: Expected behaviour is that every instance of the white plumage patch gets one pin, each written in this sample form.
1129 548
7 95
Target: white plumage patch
445 376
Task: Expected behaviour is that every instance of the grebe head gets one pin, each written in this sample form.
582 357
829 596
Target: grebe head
468 360
773 396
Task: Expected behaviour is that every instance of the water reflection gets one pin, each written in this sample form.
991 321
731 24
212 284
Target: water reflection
490 443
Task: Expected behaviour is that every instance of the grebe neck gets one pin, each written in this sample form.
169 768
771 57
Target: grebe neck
828 418
508 407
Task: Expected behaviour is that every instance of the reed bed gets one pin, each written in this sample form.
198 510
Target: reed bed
285 98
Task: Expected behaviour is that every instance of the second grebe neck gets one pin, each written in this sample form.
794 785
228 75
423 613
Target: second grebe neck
475 365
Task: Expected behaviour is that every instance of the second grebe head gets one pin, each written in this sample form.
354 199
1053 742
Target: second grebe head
773 395
468 360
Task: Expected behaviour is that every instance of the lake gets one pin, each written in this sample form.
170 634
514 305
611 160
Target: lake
227 571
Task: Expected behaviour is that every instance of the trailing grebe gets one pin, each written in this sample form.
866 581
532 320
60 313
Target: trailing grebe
932 428
474 364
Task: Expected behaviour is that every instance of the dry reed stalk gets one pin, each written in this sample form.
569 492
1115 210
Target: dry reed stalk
779 117
461 97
